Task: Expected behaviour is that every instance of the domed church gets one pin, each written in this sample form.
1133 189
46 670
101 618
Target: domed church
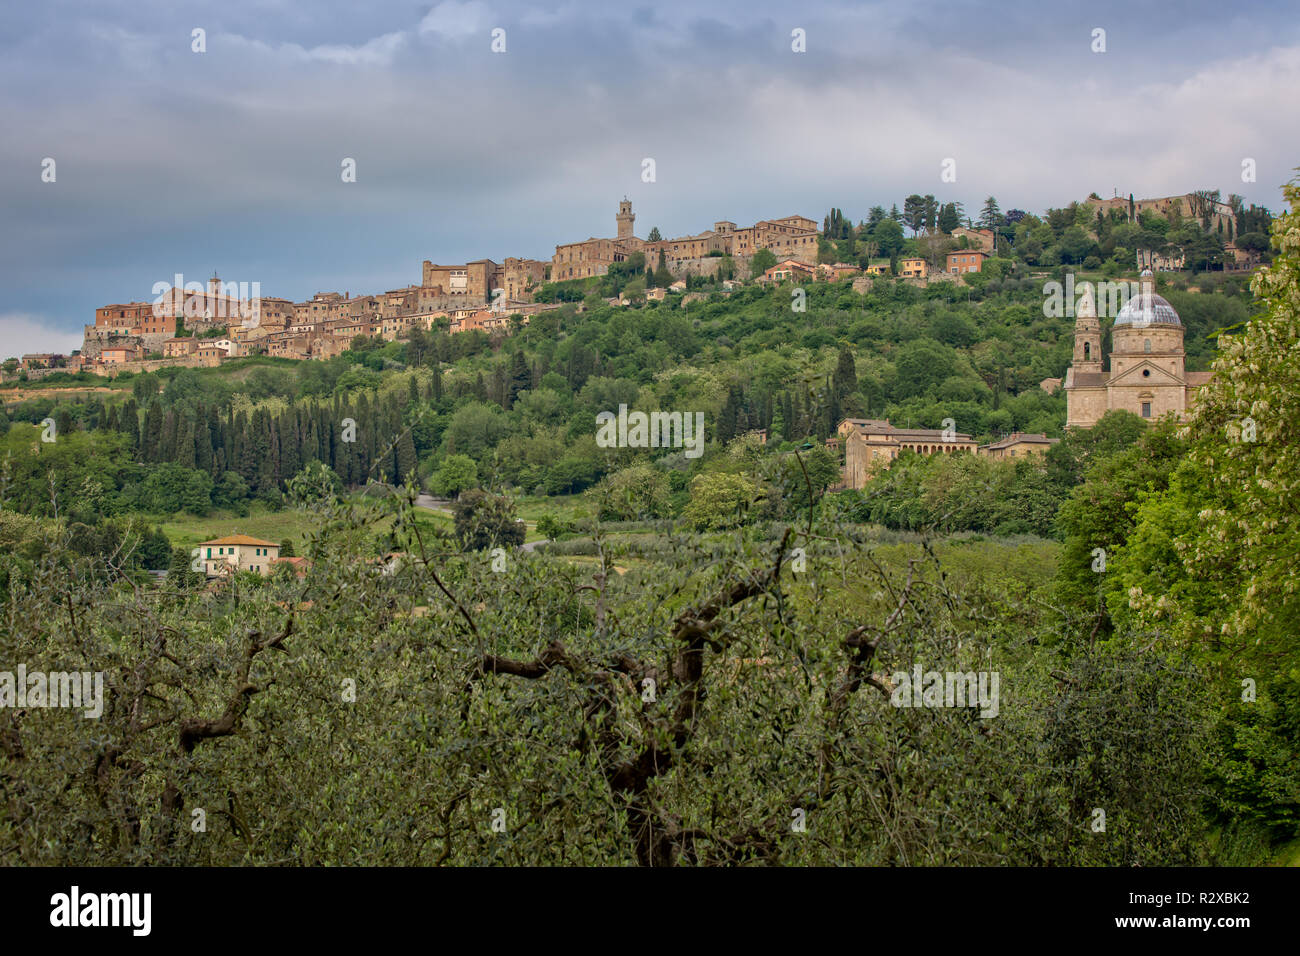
1146 375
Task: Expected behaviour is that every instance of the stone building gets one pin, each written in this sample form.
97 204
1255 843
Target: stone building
980 239
473 280
1219 214
791 237
1147 375
872 443
1019 445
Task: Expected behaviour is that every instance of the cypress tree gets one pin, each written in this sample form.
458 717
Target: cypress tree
151 441
406 460
184 451
521 378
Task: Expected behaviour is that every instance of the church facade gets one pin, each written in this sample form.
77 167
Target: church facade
1147 374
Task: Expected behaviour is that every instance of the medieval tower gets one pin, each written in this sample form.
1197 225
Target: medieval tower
625 219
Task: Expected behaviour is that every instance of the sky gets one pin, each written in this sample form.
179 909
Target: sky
167 160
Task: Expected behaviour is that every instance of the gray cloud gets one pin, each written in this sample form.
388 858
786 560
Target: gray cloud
174 161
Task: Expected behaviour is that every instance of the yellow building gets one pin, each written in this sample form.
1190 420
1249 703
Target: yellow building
237 552
1019 445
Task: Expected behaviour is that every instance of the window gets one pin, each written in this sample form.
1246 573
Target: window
1146 373
1146 346
1146 409
209 552
1087 350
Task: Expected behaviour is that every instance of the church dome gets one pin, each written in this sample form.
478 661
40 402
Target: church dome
1147 308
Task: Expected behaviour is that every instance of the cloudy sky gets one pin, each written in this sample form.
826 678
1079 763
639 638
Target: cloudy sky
169 160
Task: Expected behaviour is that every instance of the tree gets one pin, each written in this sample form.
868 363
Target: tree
521 377
948 220
1076 245
930 208
914 212
920 366
846 374
888 237
455 475
632 494
990 215
663 277
485 521
180 574
763 260
718 500
315 484
654 235
1215 558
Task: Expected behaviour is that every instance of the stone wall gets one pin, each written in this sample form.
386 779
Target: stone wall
706 266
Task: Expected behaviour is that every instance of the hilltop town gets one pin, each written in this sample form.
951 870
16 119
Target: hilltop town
203 324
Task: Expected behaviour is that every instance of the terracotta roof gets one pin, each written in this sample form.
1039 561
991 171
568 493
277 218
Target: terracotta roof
1088 379
1199 378
242 539
1016 438
869 422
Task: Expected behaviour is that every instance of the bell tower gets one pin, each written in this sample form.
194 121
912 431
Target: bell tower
1087 334
625 218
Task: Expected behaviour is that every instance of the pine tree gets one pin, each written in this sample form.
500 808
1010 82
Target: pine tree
990 215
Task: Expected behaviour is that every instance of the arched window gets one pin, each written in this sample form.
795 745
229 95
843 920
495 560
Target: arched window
1146 346
1087 350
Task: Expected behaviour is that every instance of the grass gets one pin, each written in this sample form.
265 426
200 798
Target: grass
186 531
1288 855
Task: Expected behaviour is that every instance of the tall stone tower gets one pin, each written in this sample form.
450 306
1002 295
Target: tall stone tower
1087 334
625 218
